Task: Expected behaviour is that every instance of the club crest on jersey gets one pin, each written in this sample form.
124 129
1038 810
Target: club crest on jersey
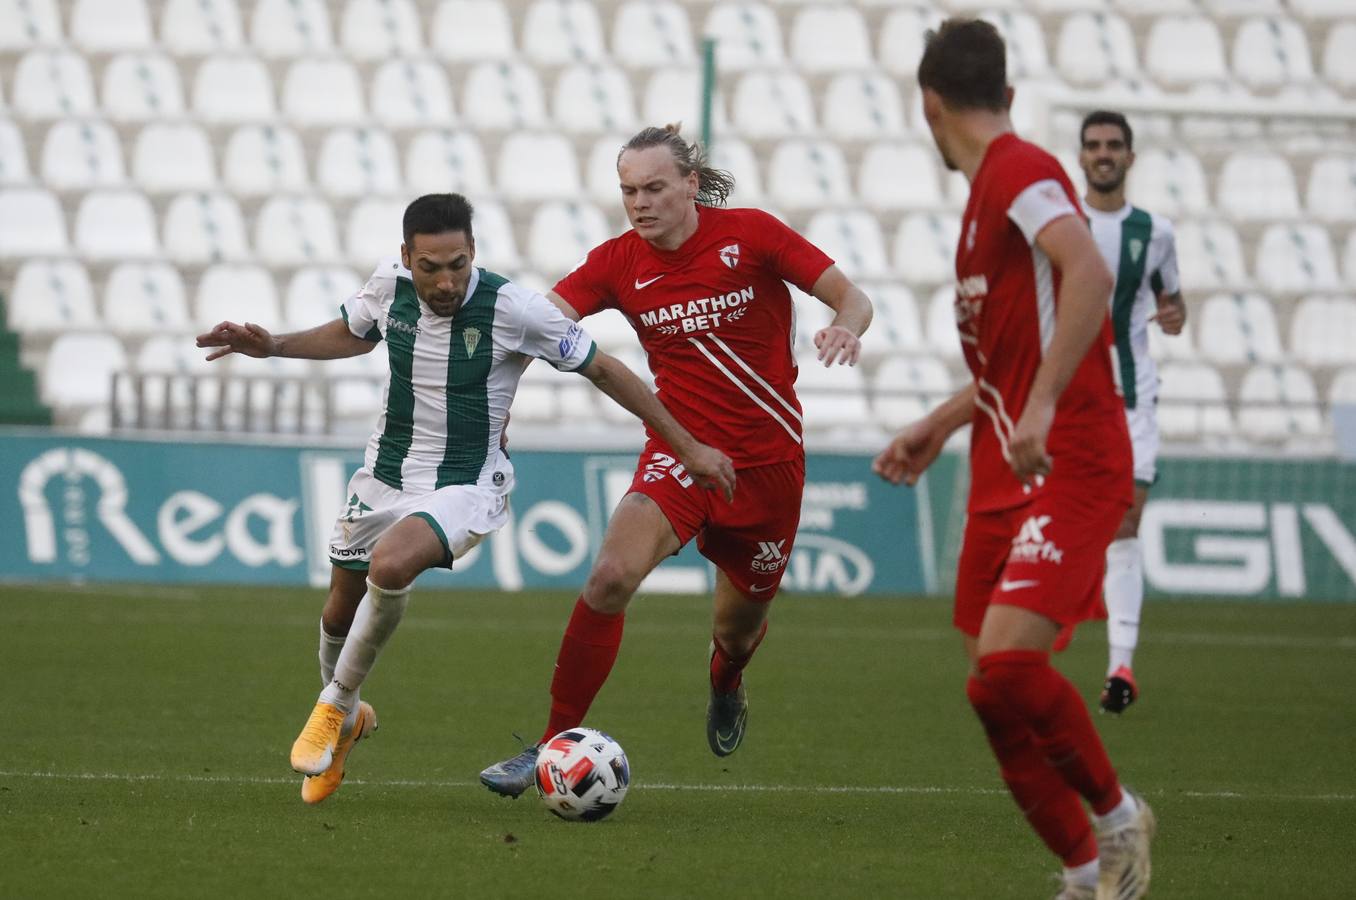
471 337
730 255
1136 248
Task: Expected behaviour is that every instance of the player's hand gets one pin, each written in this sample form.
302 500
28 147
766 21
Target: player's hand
503 435
909 454
837 345
248 339
1028 458
1171 317
712 469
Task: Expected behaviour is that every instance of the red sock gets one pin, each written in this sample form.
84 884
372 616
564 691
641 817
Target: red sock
727 670
587 653
1058 719
1050 806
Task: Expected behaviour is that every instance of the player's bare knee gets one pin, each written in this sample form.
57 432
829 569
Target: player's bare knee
610 586
391 571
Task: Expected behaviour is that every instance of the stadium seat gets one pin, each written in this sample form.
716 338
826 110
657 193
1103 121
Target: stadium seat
1278 402
200 27
29 23
747 35
51 296
1238 328
82 154
322 92
1257 185
613 332
1339 56
852 239
103 26
1185 50
376 30
13 158
647 35
593 99
79 369
373 232
896 318
1192 402
901 39
1321 9
1321 330
1270 53
31 224
411 94
833 398
940 326
169 400
205 228
288 29
264 159
1026 53
1342 390
52 84
296 231
863 106
315 293
470 30
142 299
358 161
809 174
925 248
899 176
561 32
138 87
1331 195
810 316
115 225
1170 182
1095 48
1156 7
562 233
830 39
905 388
1293 258
231 89
675 95
173 157
736 157
1210 256
537 166
240 293
496 248
503 96
446 160
771 104
600 169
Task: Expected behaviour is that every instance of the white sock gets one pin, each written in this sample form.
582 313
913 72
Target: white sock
330 645
1124 590
1083 876
378 615
1123 814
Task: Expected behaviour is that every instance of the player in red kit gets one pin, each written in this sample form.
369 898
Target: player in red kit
704 287
1049 457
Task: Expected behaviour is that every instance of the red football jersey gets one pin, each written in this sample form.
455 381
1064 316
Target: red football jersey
1006 292
716 320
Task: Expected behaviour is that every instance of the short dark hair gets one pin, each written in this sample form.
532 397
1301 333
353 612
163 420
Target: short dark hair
965 62
437 213
1107 117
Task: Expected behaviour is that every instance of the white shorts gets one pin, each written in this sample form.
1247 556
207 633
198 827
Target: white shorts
460 514
1143 422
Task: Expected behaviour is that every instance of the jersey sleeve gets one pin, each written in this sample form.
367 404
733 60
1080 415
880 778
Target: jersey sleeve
1039 204
546 333
787 253
1165 279
364 309
589 287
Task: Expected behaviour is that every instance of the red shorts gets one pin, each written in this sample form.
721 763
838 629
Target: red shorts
1048 556
750 539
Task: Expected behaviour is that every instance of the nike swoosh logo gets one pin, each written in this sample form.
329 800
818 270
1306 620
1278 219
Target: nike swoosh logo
1017 585
759 588
644 284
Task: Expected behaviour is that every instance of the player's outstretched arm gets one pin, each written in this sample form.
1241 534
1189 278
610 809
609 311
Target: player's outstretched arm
911 451
332 340
840 341
712 468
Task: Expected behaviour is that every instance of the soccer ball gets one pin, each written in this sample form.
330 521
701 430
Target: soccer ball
582 775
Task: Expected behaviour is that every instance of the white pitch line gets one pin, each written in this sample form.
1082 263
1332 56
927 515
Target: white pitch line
654 786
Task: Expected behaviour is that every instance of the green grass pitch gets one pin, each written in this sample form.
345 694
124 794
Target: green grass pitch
146 733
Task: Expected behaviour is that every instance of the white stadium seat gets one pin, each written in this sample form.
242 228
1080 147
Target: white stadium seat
831 398
537 166
145 298
901 39
374 231
1270 53
1321 9
1331 195
1095 48
78 370
899 176
1210 256
495 247
291 28
1339 56
1170 181
200 27
1278 402
562 233
593 99
358 161
1026 54
13 158
810 315
31 224
1321 330
409 93
116 225
233 89
747 35
264 159
863 106
675 95
322 92
375 30
1293 258
613 332
1349 261
82 154
561 32
1174 346
1156 7
29 23
1257 185
315 293
1236 9
647 34
142 86
905 388
466 30
809 174
852 239
830 39
897 316
173 157
296 231
773 104
237 293
1192 402
503 96
925 247
52 84
940 324
446 160
1239 328
101 26
205 228
736 157
1185 50
51 296
600 169
1342 390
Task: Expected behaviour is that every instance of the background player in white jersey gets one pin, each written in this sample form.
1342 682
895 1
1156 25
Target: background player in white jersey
435 479
1139 248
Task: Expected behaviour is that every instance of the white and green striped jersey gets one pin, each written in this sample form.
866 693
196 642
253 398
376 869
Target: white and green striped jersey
1141 252
453 379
